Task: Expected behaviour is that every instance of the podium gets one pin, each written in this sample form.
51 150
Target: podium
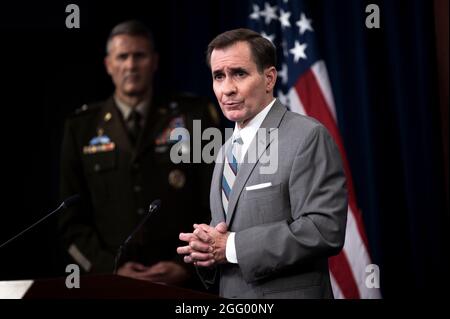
108 287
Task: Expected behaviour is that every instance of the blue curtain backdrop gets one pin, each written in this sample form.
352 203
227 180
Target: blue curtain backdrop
385 88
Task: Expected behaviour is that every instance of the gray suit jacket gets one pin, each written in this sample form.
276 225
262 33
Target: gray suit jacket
285 232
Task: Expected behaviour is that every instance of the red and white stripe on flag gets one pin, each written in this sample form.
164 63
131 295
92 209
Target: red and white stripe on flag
312 96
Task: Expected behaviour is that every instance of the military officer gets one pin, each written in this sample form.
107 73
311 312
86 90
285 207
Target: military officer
116 155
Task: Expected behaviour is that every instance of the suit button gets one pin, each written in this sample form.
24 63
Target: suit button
136 166
140 211
97 167
137 188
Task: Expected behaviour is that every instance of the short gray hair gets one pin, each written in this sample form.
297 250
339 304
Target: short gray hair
133 28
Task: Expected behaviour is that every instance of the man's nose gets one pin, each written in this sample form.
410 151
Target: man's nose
130 62
229 87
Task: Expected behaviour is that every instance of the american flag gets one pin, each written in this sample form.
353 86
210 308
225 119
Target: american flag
303 85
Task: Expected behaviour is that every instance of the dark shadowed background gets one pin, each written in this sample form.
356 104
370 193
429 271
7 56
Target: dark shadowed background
390 87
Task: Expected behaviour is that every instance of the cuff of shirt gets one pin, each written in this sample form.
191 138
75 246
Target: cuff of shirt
230 250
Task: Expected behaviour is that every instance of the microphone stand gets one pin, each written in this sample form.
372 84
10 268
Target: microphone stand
154 206
65 204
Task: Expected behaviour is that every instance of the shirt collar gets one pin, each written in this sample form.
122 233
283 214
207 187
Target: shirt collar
249 131
126 109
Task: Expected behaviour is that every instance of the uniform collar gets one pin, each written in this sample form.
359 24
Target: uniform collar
125 110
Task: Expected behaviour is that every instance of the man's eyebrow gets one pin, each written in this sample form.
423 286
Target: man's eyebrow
233 70
238 70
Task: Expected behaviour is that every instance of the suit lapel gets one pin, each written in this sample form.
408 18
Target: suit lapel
216 185
259 143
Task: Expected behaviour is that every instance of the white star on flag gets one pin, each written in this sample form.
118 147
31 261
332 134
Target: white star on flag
283 73
269 37
284 45
268 13
304 24
298 51
284 19
256 13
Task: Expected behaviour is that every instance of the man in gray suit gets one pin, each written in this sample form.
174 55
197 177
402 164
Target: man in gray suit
272 230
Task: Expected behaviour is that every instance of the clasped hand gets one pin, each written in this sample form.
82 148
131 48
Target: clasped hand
166 272
206 245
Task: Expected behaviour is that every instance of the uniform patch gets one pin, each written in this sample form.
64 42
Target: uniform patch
177 178
164 137
92 149
103 139
100 143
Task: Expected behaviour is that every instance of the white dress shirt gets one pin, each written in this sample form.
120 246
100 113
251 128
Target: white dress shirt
247 134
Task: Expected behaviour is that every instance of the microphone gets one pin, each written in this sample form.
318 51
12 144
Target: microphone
68 202
154 206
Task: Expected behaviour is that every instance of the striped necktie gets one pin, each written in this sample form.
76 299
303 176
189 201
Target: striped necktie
230 169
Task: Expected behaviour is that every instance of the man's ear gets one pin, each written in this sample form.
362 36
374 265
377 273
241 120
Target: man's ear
271 78
107 62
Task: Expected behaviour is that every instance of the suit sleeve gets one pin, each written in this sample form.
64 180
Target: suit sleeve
316 229
76 223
